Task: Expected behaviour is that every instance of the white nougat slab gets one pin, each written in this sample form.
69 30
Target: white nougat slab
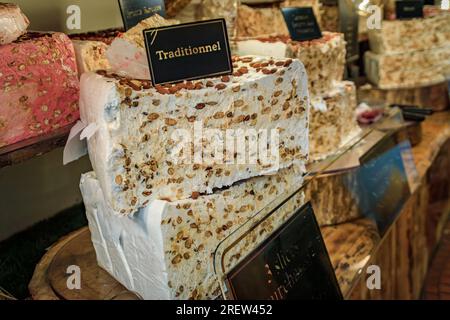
165 250
138 129
91 55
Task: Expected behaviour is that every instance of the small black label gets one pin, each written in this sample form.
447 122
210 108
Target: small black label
408 9
348 25
302 23
292 263
329 2
448 87
188 51
134 11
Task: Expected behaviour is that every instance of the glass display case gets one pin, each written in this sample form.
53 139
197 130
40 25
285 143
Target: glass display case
356 196
346 220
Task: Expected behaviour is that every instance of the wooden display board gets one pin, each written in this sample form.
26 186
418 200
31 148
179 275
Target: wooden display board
49 281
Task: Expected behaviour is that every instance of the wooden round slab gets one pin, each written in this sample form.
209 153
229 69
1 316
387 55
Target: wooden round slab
50 278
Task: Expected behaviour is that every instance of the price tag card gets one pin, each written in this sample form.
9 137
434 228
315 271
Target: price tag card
408 9
291 264
188 51
448 86
348 25
302 23
134 11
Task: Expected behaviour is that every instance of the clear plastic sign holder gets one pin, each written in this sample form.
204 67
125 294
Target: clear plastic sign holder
375 174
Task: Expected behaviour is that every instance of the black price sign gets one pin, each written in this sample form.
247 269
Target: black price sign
292 263
448 87
348 25
408 9
302 23
134 11
188 51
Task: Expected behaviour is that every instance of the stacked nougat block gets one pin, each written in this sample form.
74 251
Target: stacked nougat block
333 101
90 49
410 53
157 212
265 18
138 126
197 10
166 250
39 88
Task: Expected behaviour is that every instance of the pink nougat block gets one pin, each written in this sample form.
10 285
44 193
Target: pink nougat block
39 87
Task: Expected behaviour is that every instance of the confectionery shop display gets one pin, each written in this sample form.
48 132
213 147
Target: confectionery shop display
206 145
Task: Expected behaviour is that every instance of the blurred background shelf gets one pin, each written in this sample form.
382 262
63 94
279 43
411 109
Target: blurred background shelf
30 148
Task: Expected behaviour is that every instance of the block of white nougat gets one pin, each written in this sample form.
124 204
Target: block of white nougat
323 58
409 69
127 55
91 55
333 120
166 250
90 49
13 23
399 36
136 151
174 7
253 22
